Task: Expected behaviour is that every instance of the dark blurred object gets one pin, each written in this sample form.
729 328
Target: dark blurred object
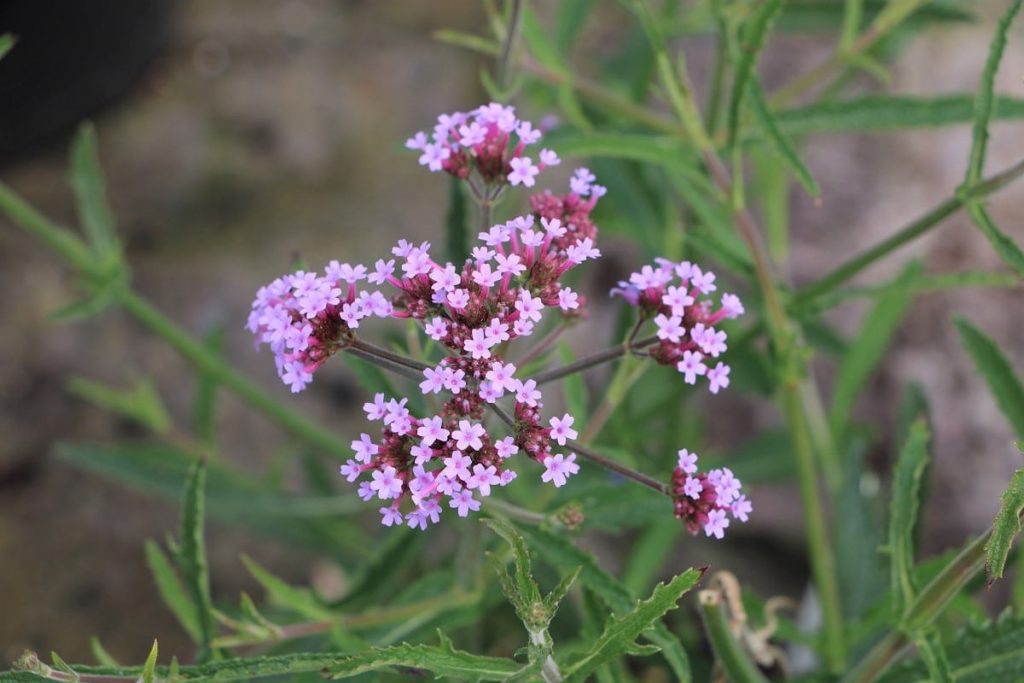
73 57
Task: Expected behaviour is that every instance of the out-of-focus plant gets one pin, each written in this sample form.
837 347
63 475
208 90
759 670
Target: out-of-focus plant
456 404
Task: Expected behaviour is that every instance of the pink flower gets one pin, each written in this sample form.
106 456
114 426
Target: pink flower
716 524
386 483
468 435
718 377
523 172
390 516
502 375
436 329
568 300
375 410
365 448
432 430
691 366
456 466
478 345
463 501
558 468
483 478
527 392
561 429
670 328
687 461
434 382
529 307
693 487
741 508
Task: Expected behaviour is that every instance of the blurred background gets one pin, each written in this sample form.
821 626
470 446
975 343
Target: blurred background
239 135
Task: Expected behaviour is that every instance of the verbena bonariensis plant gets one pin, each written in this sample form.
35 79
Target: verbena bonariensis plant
700 178
475 311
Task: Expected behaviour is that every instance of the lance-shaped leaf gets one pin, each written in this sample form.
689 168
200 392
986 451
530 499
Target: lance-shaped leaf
443 661
93 211
1004 245
149 668
560 553
622 631
171 590
1005 527
783 145
192 555
141 403
984 100
995 368
906 492
752 40
301 600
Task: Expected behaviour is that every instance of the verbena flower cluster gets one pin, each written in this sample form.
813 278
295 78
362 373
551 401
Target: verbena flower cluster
670 293
419 465
704 500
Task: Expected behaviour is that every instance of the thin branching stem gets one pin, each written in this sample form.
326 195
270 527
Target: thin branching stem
593 359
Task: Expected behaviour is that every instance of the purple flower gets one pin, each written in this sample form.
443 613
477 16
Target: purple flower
561 429
463 501
558 468
716 524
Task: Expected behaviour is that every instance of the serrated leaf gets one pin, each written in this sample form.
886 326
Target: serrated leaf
192 555
906 491
868 347
752 39
993 653
564 556
172 591
93 211
984 100
621 632
442 661
301 600
140 403
995 368
889 112
553 599
1007 249
149 668
783 145
1005 527
520 587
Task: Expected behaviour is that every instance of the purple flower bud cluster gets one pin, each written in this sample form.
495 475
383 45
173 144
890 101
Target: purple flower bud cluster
670 293
706 500
306 318
489 140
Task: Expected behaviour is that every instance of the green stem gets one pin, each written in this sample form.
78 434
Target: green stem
911 231
930 602
823 564
61 240
215 368
511 33
593 359
729 653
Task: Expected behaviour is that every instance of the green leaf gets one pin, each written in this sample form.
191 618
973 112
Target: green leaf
751 42
204 408
192 555
553 599
867 349
7 41
906 498
889 112
149 668
991 364
783 145
564 556
993 653
984 100
301 600
442 661
572 16
1005 527
103 658
621 632
456 222
140 403
172 591
1007 249
934 656
87 182
232 496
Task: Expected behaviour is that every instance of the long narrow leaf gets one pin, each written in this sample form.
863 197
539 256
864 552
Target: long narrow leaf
983 102
87 181
1007 249
995 368
906 498
1005 527
192 555
783 145
174 594
752 40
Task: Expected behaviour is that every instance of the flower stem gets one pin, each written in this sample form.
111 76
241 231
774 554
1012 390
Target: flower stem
543 345
511 34
593 359
216 369
911 231
627 472
380 352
